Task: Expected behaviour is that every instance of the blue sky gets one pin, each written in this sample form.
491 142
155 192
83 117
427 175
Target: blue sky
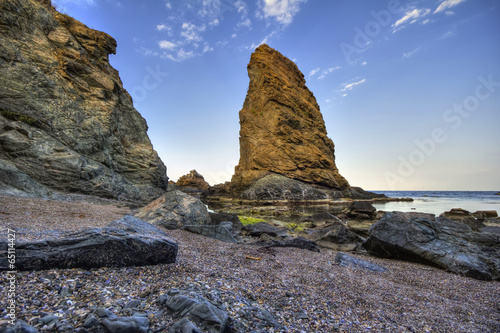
409 90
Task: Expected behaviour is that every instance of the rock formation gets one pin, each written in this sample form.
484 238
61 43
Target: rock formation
193 180
440 242
66 122
283 133
126 242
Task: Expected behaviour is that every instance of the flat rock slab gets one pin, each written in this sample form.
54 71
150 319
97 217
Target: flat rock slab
439 242
127 242
346 260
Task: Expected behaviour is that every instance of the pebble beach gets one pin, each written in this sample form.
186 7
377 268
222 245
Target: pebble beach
298 290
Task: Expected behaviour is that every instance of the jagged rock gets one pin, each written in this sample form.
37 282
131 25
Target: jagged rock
128 242
257 229
134 324
361 210
297 242
336 237
175 209
183 326
485 214
346 260
198 310
282 130
465 217
66 122
439 242
193 180
221 232
218 218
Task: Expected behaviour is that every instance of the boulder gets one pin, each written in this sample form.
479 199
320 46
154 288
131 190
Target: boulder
175 209
297 242
221 232
361 210
336 237
485 214
67 125
465 217
128 242
439 242
183 326
346 260
196 309
257 229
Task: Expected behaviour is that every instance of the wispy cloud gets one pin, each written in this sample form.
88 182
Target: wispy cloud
412 16
190 32
328 71
349 86
410 53
447 4
313 72
166 45
178 56
283 11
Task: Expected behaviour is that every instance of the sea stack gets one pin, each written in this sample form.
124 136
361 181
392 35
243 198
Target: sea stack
67 125
283 138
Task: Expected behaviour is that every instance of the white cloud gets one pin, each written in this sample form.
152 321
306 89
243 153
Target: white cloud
449 13
313 72
282 11
349 86
166 45
190 32
447 4
328 71
214 23
412 16
364 63
244 23
161 27
181 55
207 48
168 5
410 53
241 7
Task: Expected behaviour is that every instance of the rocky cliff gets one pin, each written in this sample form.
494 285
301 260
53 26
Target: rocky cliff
282 129
66 122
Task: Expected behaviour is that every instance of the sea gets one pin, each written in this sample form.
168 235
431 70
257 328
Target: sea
437 202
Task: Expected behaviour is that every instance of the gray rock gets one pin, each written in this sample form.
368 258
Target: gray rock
337 237
183 326
198 310
67 125
134 324
220 232
440 242
98 247
175 209
297 242
346 260
217 218
257 229
361 210
19 327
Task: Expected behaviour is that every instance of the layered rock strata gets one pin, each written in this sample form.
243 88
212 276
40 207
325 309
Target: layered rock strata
66 122
285 151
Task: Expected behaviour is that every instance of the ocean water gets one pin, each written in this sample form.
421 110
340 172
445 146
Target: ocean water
437 202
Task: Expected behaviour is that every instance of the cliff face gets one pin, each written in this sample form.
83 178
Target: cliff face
282 129
66 122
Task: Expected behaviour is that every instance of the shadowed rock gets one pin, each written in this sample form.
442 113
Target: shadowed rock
128 242
439 242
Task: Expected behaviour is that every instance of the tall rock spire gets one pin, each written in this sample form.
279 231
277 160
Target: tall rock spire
282 129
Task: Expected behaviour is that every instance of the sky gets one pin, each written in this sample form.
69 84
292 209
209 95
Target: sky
409 90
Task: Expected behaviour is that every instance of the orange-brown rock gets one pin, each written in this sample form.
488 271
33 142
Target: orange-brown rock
282 129
193 180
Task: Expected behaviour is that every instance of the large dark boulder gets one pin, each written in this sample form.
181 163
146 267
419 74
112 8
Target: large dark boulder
336 237
128 242
439 242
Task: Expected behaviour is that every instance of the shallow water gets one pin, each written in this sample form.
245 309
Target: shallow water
437 202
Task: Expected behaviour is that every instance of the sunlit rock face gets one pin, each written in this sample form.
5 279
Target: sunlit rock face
282 129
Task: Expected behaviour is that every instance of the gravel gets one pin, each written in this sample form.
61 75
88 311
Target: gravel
302 291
